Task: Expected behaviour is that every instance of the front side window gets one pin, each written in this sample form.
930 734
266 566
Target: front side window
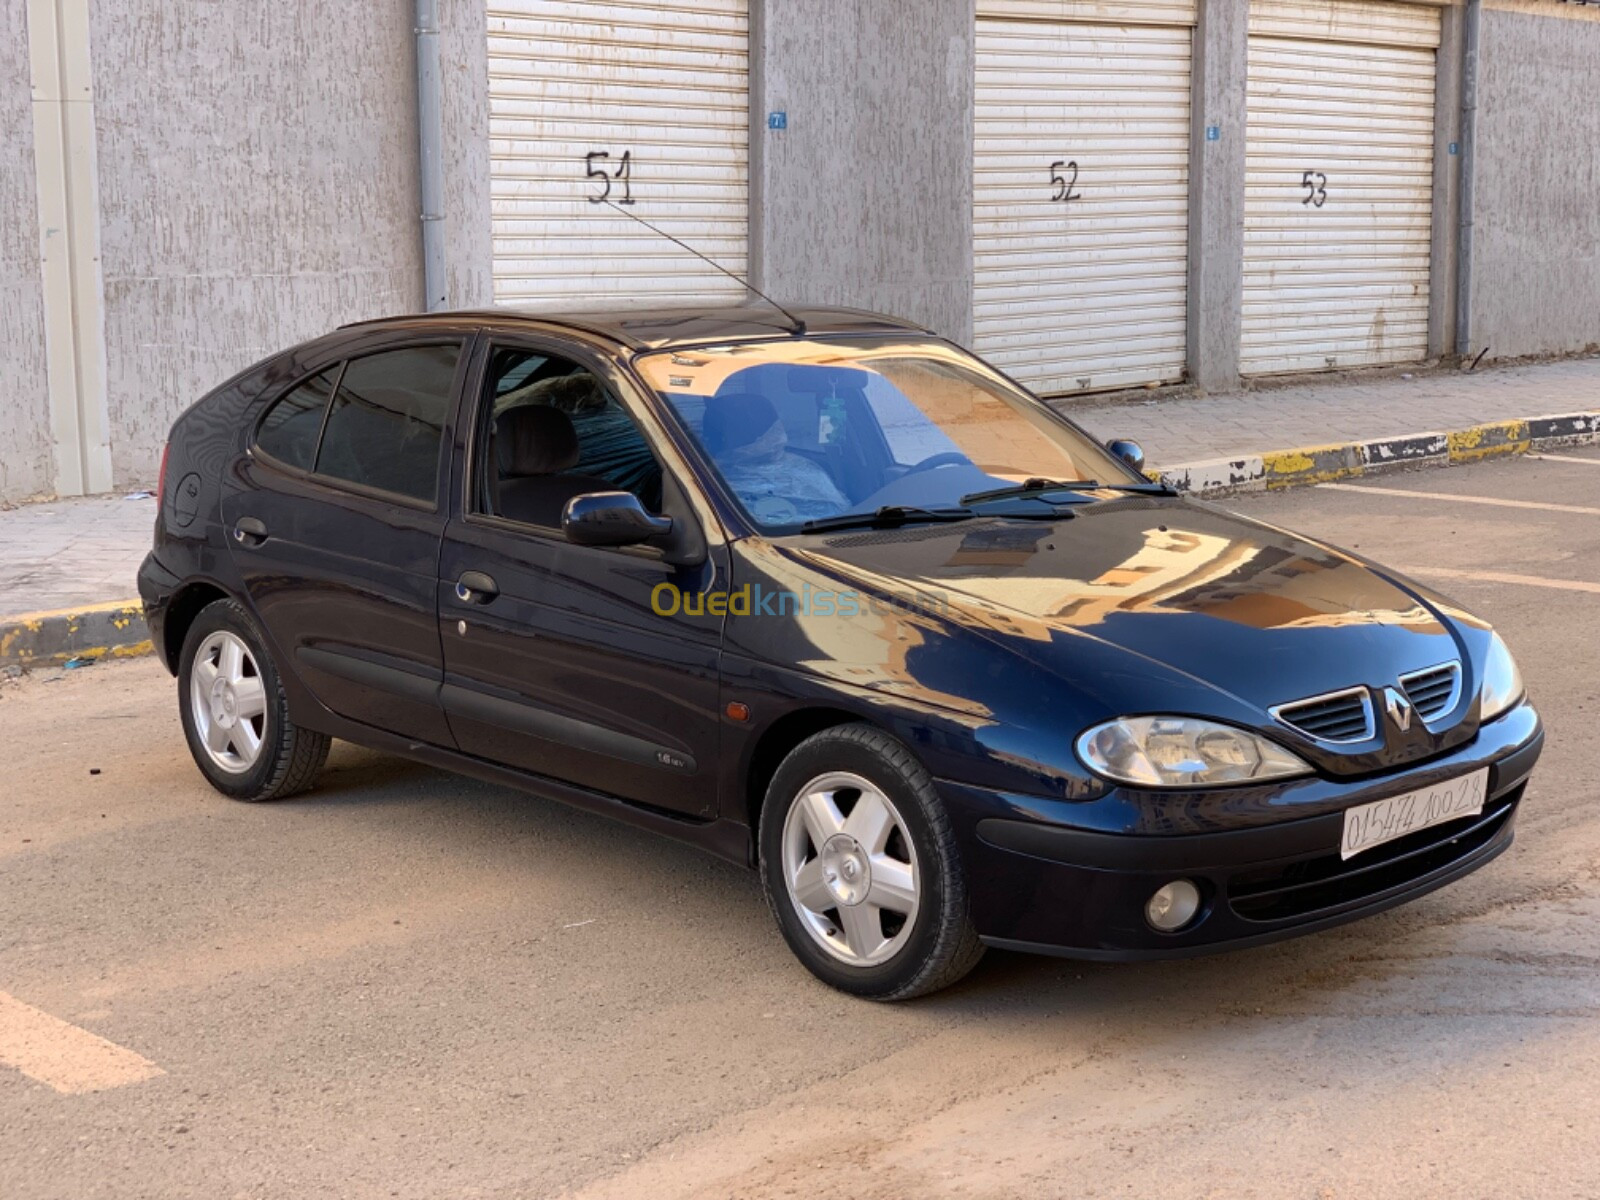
811 428
387 419
551 430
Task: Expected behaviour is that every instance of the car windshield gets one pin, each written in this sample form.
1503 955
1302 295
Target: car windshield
807 429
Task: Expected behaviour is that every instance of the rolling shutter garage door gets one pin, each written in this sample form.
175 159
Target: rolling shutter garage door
1081 191
653 98
1339 191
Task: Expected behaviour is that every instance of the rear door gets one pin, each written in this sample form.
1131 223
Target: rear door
564 667
335 515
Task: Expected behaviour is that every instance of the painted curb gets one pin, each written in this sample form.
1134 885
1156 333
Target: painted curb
1347 460
74 637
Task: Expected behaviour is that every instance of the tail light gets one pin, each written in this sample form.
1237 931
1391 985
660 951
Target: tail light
161 479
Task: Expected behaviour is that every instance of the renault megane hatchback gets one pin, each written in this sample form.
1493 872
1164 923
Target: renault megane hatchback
828 596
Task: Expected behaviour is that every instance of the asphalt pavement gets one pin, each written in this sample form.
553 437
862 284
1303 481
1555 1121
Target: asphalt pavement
409 984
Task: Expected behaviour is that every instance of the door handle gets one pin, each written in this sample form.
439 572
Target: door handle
248 531
474 587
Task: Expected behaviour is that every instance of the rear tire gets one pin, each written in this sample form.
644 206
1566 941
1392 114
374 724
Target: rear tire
862 869
235 715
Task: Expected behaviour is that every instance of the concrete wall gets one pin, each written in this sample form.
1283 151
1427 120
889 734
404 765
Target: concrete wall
1536 252
866 198
258 185
25 456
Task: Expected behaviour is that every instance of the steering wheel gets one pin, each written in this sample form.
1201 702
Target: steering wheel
949 458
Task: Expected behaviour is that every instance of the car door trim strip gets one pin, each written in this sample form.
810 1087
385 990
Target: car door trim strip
364 671
566 731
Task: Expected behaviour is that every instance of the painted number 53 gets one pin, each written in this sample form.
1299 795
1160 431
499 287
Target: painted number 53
1316 186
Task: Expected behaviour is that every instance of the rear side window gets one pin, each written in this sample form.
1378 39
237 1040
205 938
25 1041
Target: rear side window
289 430
387 420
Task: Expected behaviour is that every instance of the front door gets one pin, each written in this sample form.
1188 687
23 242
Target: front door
556 660
335 515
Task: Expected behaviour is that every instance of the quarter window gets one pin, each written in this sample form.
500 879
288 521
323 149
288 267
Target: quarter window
387 420
289 430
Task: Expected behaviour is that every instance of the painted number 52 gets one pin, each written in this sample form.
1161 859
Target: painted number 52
1316 186
1065 186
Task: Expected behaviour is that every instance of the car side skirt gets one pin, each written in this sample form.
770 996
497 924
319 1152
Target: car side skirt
728 840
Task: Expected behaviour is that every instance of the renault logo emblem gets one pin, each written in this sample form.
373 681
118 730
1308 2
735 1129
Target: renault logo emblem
1398 708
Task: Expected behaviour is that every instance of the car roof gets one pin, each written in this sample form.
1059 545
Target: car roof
659 328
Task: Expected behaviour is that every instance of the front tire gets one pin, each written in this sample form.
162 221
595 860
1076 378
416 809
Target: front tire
862 869
235 715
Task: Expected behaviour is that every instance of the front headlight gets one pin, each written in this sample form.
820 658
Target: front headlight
1502 682
1183 752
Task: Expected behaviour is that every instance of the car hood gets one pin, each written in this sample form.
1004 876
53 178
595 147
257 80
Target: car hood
1246 611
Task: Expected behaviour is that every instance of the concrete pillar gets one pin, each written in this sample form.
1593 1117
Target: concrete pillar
863 196
66 173
464 93
1447 159
1216 193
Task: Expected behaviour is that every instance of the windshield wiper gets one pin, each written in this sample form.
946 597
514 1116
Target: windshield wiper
1039 487
890 516
1032 487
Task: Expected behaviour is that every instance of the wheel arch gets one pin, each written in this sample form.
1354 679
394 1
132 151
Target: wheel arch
778 740
186 604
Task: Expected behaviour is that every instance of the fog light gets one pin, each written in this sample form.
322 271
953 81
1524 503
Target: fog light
1173 906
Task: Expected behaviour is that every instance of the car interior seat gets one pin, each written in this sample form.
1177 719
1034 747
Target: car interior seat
535 447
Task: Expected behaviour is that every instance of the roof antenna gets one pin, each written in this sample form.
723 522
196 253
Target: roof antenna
796 326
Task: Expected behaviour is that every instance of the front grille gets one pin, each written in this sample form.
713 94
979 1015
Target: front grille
1304 888
1433 692
1337 717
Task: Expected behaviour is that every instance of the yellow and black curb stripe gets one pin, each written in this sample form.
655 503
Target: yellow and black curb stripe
1346 460
74 637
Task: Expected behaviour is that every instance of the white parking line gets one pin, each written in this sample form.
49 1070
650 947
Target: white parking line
67 1058
1588 462
1564 585
1489 500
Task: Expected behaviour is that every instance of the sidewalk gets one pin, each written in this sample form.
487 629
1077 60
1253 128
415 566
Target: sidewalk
68 566
1315 413
66 554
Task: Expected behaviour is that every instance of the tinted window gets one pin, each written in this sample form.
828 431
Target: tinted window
554 432
387 420
289 430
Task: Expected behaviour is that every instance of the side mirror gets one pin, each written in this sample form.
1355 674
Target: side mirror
611 519
1129 451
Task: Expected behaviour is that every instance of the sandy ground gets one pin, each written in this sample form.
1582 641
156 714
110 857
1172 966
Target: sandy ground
408 984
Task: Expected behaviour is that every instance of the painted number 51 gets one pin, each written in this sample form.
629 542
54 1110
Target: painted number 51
595 169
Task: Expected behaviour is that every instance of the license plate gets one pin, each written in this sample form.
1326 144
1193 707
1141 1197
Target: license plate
1369 825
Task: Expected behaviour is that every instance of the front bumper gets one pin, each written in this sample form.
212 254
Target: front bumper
1047 876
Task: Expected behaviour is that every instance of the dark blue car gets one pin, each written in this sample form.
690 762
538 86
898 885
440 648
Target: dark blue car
830 597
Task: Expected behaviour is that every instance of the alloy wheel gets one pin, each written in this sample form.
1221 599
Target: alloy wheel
851 869
228 702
